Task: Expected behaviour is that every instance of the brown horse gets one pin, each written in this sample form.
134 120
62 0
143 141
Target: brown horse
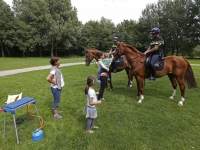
90 54
175 67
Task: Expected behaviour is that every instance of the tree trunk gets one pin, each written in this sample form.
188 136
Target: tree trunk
52 48
40 50
2 52
7 51
173 48
56 51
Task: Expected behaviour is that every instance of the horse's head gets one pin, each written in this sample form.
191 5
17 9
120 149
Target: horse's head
119 50
88 57
91 54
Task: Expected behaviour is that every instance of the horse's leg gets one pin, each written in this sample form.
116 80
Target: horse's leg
140 88
111 86
182 88
174 85
130 78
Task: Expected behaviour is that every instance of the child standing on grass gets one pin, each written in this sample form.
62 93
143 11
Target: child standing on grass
56 79
90 109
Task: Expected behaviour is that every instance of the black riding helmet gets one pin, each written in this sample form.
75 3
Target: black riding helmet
155 30
115 39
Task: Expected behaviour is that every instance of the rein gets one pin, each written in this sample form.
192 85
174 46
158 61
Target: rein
136 57
140 55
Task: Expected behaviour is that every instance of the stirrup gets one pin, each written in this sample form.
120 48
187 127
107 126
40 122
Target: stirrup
152 78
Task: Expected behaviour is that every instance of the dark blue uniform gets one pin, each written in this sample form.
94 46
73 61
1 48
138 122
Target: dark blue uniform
155 55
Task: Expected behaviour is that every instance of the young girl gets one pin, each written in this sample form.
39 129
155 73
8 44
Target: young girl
106 61
56 79
101 65
90 109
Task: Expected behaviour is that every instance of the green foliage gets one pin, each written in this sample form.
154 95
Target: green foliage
52 28
129 33
158 123
98 34
47 23
178 23
7 28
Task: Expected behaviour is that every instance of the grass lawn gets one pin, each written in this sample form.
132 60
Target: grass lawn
25 62
156 124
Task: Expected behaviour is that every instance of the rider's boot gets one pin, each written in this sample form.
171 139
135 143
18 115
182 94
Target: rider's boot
153 74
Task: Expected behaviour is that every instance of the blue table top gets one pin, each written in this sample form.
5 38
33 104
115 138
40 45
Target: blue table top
17 104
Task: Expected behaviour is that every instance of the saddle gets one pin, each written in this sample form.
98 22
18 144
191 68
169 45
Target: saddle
119 61
159 65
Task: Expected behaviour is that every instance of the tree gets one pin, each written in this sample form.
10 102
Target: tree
128 32
7 28
174 19
48 23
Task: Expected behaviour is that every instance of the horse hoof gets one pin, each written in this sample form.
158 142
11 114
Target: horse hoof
179 104
110 89
171 97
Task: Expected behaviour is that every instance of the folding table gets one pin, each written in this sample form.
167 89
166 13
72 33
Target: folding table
12 107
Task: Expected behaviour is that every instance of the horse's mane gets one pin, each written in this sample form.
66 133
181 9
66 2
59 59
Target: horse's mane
131 47
95 50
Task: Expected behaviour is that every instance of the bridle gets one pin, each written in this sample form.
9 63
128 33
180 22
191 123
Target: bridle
89 59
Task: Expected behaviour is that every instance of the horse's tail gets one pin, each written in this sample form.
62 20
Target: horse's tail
189 76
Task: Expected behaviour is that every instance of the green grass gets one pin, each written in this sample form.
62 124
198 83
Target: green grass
157 124
194 61
25 62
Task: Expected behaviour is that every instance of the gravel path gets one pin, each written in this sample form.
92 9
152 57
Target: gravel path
11 72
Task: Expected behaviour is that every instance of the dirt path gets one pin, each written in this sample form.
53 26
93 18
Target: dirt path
11 72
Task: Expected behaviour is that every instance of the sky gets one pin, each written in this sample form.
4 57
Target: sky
115 10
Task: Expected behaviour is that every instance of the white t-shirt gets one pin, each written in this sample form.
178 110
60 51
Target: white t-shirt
54 79
91 94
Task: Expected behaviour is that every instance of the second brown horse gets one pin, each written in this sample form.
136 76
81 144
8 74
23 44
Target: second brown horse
90 54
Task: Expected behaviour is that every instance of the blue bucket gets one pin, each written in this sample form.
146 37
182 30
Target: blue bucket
37 135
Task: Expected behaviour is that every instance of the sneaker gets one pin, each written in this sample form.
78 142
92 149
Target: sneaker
90 131
103 99
95 127
58 116
152 79
108 80
114 70
98 81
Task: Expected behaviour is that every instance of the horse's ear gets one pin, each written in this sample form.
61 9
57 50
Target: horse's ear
85 50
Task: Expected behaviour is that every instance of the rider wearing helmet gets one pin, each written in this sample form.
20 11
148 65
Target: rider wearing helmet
113 48
155 50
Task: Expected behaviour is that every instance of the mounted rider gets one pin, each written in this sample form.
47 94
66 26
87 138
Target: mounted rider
113 48
155 51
